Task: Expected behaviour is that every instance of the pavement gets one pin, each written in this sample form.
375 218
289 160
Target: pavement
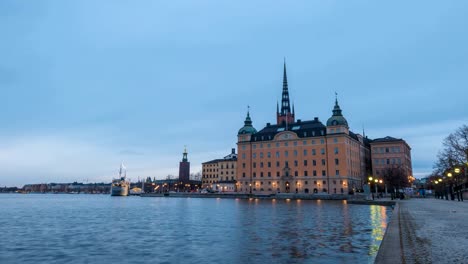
426 231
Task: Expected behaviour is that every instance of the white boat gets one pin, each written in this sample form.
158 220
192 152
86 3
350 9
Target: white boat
120 186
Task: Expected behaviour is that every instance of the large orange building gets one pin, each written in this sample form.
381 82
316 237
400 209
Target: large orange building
299 156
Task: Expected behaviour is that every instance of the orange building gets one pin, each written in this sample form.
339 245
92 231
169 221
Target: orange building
296 156
390 153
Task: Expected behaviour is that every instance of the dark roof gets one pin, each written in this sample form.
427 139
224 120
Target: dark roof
219 160
386 139
301 128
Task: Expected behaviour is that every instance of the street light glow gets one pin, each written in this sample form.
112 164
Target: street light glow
457 170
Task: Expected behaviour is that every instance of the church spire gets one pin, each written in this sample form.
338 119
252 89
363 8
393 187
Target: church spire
285 105
285 115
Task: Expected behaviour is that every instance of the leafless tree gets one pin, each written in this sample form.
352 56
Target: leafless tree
454 151
395 177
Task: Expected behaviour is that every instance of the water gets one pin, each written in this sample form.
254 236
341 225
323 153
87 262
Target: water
67 228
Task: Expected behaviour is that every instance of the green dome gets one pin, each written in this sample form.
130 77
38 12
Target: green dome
337 119
247 128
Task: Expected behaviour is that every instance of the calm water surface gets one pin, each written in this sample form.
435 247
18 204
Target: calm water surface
78 228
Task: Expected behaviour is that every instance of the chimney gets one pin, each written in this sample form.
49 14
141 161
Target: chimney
233 151
315 118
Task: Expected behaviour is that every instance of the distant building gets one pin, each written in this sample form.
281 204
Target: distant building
184 169
220 174
390 153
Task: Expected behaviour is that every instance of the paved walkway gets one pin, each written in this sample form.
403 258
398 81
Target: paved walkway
426 231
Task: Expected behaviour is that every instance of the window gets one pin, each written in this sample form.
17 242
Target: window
337 161
285 144
336 150
313 152
254 146
286 164
286 153
295 153
261 154
335 140
254 164
277 154
269 174
295 163
322 141
305 152
254 175
337 172
277 144
269 164
296 173
243 147
314 173
305 174
295 143
304 142
324 182
277 164
243 175
312 142
261 174
261 164
386 150
323 173
322 151
243 165
323 162
243 155
305 162
314 163
388 161
277 174
254 155
269 155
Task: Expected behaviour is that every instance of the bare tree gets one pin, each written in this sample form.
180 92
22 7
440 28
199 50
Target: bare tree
395 178
454 151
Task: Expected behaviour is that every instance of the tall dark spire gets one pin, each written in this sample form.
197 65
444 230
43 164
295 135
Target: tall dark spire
285 106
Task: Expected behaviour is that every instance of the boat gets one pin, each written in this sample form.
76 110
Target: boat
120 186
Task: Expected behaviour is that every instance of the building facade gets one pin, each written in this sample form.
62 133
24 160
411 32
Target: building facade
390 153
220 174
296 156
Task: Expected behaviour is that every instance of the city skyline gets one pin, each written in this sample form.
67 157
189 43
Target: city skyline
89 85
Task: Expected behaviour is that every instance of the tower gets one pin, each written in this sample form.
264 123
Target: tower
285 115
337 123
184 169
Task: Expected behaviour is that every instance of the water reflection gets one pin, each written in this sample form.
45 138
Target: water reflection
378 216
99 229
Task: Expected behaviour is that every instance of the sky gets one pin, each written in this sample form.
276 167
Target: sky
86 85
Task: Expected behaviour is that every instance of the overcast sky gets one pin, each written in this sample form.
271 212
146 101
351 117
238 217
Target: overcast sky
86 85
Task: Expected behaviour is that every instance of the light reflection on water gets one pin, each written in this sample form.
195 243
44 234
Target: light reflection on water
103 229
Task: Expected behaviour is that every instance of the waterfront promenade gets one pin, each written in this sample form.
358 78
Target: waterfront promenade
426 231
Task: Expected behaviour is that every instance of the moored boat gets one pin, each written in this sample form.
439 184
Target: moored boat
120 186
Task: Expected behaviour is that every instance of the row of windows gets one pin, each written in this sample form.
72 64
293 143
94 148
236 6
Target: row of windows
387 161
295 153
296 173
386 149
295 143
286 163
297 182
